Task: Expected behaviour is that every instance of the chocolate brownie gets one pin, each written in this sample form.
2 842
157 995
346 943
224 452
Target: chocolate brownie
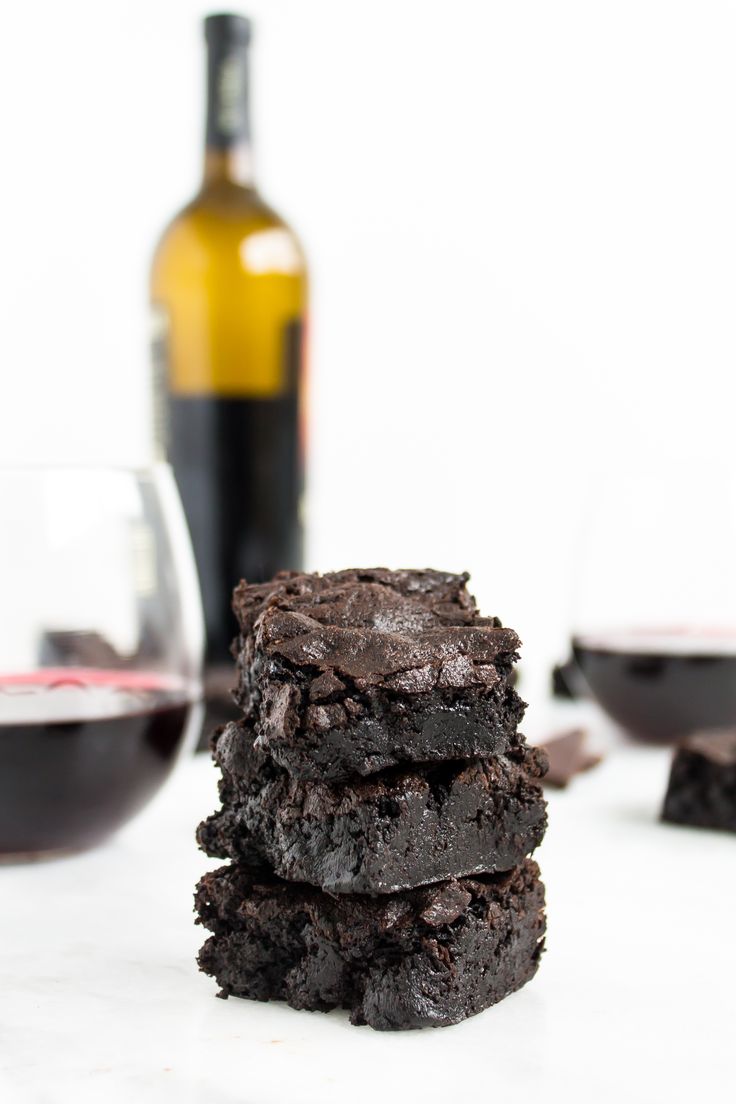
422 958
355 671
394 830
702 783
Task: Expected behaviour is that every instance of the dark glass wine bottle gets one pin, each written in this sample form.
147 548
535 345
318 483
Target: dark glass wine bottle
229 295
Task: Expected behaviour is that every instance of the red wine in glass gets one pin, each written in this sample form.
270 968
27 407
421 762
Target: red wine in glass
661 685
81 751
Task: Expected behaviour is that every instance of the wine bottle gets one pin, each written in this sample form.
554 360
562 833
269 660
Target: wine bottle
229 295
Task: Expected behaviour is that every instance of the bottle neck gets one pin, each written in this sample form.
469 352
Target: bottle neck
233 166
228 155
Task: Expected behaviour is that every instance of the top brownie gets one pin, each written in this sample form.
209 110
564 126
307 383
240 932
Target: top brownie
355 671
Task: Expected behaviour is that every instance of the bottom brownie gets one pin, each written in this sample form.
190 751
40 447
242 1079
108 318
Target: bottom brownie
424 957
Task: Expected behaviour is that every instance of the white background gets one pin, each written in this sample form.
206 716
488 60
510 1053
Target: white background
521 222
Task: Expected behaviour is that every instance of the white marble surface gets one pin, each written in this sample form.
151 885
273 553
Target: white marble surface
100 998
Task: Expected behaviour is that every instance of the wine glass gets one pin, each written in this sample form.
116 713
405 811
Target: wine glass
654 629
100 650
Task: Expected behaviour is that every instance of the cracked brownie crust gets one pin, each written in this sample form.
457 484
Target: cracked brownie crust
391 831
426 957
356 671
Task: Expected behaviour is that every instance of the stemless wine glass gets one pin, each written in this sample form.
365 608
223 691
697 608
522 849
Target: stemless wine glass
100 650
655 620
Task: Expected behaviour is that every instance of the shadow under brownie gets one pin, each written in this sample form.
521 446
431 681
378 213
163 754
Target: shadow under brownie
425 957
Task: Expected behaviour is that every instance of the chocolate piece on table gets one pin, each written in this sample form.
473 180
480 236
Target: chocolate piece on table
355 671
425 957
702 785
388 832
567 756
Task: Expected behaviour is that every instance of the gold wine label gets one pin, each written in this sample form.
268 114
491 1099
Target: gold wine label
262 364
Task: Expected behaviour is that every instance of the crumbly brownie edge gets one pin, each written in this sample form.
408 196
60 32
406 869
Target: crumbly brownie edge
335 738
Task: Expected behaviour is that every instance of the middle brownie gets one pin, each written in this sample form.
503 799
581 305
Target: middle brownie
392 831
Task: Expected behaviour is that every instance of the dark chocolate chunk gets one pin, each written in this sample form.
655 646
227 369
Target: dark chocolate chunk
568 756
702 784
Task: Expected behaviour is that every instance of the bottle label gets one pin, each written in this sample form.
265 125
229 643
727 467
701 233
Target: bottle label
231 102
227 96
159 379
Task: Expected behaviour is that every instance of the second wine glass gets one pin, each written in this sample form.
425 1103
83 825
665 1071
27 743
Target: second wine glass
655 613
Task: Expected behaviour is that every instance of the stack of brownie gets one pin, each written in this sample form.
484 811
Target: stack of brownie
378 804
